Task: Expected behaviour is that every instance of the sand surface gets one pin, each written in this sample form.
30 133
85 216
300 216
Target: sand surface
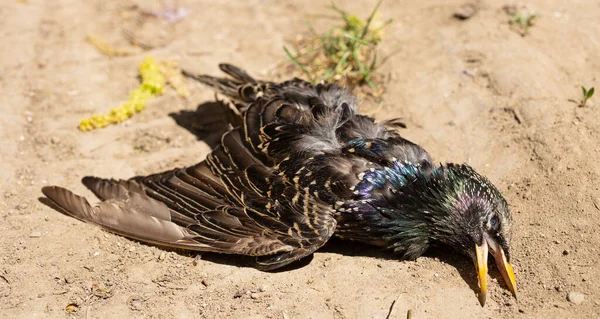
471 91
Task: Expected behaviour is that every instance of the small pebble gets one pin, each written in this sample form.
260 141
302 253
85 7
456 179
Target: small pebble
565 252
35 234
205 282
254 296
162 256
466 11
576 297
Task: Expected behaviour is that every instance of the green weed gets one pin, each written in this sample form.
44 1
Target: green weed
520 18
587 94
346 54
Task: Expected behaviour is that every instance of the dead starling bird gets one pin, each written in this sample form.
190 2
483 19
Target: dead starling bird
301 167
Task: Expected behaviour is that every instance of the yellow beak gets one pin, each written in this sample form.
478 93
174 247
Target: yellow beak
481 253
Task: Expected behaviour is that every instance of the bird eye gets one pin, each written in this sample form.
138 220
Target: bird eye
494 222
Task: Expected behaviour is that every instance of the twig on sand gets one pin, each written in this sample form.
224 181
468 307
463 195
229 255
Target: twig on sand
391 309
389 315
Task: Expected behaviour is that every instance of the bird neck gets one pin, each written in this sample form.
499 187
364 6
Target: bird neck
401 207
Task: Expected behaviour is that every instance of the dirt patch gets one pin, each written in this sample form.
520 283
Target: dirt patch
471 90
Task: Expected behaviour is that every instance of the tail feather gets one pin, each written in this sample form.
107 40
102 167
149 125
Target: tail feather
122 217
111 189
223 86
237 73
240 87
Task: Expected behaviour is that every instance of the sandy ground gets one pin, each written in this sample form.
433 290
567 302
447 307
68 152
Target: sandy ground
471 91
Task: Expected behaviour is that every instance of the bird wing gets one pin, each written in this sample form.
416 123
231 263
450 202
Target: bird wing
231 203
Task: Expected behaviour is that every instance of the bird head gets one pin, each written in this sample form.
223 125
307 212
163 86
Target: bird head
478 221
451 205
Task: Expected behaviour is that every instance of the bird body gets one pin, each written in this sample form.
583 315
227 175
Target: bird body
300 167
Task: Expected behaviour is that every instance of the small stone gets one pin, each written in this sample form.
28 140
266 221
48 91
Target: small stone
254 296
35 234
54 140
205 282
565 252
466 11
262 288
575 297
162 256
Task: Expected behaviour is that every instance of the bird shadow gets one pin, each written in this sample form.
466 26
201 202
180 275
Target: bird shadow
208 122
355 249
465 267
461 263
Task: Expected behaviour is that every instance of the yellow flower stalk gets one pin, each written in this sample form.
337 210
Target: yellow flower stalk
153 83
